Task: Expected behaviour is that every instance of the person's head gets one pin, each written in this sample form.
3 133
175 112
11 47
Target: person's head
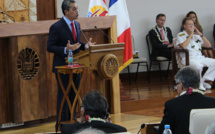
187 77
192 15
160 20
70 9
187 24
95 104
210 128
90 131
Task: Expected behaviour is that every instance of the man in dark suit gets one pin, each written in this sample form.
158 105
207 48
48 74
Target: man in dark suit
63 36
93 114
161 39
177 110
214 32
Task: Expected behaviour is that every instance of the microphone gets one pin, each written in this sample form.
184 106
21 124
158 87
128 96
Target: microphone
11 17
84 36
104 33
141 127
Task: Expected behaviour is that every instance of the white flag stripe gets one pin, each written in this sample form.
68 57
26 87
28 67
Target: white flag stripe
122 16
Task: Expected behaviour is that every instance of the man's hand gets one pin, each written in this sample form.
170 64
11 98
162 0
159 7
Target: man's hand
72 47
89 43
170 45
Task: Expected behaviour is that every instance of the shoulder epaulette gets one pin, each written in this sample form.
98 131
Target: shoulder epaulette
182 34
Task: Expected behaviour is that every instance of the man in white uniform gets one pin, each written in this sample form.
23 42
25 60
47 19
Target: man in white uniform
193 40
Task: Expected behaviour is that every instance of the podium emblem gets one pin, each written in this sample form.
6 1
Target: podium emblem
109 66
28 63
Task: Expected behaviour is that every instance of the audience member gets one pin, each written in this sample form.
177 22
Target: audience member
193 40
161 39
93 114
210 128
89 131
194 17
177 110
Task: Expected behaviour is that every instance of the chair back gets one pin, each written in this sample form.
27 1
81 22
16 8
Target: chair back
149 44
199 119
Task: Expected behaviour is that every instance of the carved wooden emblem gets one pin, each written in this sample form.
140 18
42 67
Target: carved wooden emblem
28 63
109 66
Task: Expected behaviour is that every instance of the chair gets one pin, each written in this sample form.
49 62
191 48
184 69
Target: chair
199 119
176 64
158 60
139 62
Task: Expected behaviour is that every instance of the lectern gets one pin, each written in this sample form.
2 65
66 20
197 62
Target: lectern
104 61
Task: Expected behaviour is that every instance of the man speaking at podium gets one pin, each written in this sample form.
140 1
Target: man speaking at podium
65 35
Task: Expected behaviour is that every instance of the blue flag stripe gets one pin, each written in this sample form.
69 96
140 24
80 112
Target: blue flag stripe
112 2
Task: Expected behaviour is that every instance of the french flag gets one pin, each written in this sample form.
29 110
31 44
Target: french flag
119 8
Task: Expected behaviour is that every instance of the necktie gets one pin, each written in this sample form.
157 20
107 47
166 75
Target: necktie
162 34
163 37
73 31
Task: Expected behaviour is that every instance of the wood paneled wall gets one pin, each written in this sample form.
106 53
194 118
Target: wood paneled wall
45 10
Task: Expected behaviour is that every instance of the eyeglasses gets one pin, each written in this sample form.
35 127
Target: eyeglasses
176 85
190 24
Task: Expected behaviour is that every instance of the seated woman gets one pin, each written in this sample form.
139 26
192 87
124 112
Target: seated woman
94 114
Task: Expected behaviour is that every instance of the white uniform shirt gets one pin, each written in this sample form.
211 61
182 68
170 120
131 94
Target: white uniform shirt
194 47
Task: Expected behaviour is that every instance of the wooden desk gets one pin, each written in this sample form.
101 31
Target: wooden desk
76 69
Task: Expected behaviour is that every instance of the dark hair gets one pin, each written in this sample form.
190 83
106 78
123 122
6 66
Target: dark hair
95 104
188 76
185 20
197 24
160 15
66 5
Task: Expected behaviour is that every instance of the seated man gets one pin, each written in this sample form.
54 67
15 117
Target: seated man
214 32
94 114
161 39
177 110
193 40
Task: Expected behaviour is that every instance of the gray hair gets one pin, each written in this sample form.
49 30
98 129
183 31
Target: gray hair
90 131
66 5
188 76
210 128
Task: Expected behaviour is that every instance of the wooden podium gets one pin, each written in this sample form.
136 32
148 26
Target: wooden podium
28 87
104 61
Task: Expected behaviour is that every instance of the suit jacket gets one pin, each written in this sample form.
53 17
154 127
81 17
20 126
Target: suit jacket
214 32
177 111
157 45
106 127
59 34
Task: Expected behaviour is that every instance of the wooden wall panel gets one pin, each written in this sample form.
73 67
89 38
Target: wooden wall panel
29 96
52 87
15 103
45 10
4 93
